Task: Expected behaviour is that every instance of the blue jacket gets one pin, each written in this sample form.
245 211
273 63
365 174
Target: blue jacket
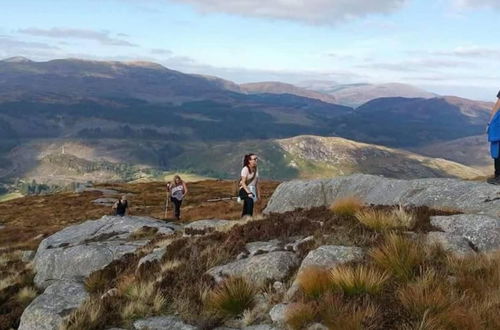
494 135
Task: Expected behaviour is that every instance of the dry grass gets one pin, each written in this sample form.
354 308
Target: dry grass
398 256
169 265
26 295
96 282
299 315
8 281
338 314
428 294
144 232
405 218
143 299
231 297
358 280
90 315
383 220
314 281
347 206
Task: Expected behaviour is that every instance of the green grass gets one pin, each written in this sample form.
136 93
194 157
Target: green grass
9 196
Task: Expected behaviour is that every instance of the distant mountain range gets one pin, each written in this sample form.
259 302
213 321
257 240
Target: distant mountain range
164 115
354 95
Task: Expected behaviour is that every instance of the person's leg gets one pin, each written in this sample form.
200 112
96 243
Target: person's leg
247 203
178 209
497 167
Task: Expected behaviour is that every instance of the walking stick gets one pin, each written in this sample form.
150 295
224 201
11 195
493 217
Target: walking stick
166 204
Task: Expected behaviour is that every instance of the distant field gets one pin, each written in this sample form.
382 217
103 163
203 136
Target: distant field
169 176
8 197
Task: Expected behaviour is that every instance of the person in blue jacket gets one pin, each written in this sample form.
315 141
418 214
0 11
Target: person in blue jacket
494 139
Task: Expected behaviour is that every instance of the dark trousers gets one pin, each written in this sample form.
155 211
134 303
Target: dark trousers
497 167
247 203
177 207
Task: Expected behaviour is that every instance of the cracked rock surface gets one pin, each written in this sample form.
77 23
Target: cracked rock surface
464 196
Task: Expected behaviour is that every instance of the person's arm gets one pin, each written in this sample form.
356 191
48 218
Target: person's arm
494 109
257 186
115 205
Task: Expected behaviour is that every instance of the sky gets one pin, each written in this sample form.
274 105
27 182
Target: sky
443 46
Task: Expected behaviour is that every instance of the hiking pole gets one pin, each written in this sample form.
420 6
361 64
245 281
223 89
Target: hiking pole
166 207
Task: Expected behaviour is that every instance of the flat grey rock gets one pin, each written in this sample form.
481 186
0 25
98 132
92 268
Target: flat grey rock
298 244
153 256
481 230
76 251
207 224
450 242
466 196
331 255
277 313
255 248
48 310
273 266
162 323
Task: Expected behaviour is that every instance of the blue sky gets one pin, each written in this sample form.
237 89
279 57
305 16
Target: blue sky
444 46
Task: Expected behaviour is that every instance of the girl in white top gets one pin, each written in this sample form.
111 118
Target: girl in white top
249 184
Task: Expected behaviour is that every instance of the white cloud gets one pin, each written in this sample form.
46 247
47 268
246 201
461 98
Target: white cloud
477 3
8 42
308 11
102 37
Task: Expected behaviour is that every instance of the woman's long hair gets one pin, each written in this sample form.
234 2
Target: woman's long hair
175 180
246 162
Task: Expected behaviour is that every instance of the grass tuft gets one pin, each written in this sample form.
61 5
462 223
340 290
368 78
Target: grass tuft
399 256
337 314
314 281
26 295
428 294
347 206
96 282
231 297
299 315
358 280
90 315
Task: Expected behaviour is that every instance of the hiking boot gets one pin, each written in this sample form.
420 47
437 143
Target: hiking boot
495 180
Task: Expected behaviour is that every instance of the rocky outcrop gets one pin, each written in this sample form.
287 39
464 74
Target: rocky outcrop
481 230
75 252
465 196
64 259
271 266
47 311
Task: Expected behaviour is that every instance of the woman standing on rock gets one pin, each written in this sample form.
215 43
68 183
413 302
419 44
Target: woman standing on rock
494 139
249 184
178 190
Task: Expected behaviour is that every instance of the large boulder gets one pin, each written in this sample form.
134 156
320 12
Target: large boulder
481 230
272 266
75 252
47 311
466 196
